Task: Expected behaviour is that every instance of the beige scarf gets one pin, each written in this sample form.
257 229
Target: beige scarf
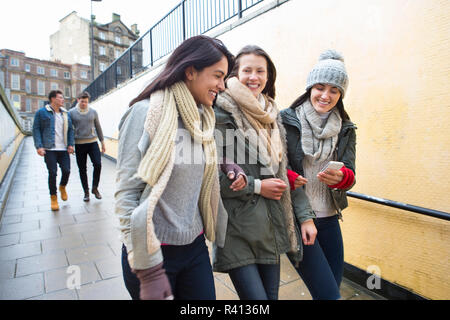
261 115
157 164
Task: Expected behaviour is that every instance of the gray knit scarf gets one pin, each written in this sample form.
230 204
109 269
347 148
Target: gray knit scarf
318 141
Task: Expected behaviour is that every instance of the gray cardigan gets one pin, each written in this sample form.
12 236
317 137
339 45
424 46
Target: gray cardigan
176 218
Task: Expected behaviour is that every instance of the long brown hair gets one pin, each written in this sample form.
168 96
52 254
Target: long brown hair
199 52
340 104
269 89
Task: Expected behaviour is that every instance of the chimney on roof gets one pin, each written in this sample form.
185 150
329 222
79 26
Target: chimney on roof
135 30
115 17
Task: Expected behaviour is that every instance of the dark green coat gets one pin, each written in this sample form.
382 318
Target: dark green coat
346 151
256 229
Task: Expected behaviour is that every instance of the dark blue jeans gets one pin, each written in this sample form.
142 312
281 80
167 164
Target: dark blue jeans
52 158
81 153
188 268
323 263
256 281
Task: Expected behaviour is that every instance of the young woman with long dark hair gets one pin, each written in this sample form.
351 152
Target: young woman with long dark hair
166 202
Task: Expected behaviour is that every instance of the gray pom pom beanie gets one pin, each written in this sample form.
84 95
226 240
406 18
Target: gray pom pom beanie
329 70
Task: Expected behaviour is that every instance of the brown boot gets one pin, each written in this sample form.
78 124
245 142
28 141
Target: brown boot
54 202
62 190
96 193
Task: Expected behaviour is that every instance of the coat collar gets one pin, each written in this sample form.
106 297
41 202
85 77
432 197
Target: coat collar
49 108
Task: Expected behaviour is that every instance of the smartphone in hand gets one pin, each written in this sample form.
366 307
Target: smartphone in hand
335 165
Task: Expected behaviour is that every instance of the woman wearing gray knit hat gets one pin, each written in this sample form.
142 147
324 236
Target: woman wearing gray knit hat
318 120
168 203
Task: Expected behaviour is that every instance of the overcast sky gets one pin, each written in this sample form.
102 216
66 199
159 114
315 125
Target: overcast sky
26 25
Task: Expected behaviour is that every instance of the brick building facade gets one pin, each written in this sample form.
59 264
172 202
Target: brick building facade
27 81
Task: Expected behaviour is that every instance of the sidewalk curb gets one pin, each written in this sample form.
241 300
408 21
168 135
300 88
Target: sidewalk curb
9 177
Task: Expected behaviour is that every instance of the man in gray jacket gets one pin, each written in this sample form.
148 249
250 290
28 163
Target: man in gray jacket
87 130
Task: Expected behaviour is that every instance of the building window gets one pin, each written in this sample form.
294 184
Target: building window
102 35
41 88
41 103
102 67
117 53
83 74
119 70
67 92
82 87
28 85
118 40
54 73
27 68
2 78
14 62
66 75
16 101
102 51
53 86
28 105
15 82
40 70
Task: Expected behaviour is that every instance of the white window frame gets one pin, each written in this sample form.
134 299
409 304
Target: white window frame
54 86
28 105
67 92
28 85
27 68
53 72
14 62
117 53
102 50
83 74
102 35
15 81
102 66
39 87
66 75
15 103
40 70
118 39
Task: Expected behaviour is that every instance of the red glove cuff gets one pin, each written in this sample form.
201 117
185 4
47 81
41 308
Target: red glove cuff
292 176
347 180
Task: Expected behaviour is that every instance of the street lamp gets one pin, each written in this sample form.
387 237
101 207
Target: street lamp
92 42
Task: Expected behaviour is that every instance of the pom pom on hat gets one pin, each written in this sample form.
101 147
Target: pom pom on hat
329 70
331 54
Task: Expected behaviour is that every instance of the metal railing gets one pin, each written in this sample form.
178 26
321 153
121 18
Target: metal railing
189 18
399 205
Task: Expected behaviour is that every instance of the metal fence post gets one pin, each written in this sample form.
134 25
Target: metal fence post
184 20
151 48
240 9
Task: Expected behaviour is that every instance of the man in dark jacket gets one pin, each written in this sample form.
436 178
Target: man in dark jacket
54 140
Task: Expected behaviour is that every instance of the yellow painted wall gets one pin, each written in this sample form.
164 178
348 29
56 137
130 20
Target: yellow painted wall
397 54
7 157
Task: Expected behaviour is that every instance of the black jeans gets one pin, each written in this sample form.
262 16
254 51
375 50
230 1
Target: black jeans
256 281
188 268
52 158
322 266
81 153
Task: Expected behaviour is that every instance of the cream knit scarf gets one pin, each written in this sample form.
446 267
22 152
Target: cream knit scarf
156 166
261 115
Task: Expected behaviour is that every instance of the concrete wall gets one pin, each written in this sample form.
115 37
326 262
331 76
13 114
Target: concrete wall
70 43
398 59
